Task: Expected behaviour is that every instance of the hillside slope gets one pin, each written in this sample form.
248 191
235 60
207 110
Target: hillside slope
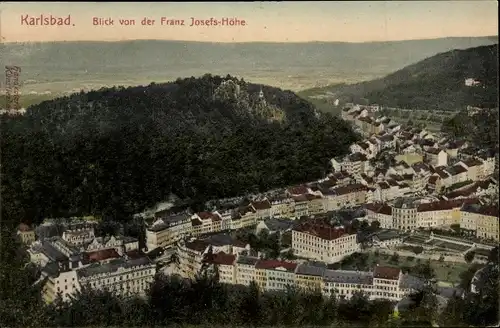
437 82
114 152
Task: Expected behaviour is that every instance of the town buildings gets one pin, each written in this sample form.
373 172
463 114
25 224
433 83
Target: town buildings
73 261
317 240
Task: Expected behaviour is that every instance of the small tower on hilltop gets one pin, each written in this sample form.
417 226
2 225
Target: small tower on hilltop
261 96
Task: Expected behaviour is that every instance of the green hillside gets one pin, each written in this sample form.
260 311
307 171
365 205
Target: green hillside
436 83
114 152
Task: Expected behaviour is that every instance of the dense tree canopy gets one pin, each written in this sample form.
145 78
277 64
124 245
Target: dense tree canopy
481 128
115 151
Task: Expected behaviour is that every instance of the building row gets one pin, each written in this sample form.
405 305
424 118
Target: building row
78 259
299 201
410 214
272 275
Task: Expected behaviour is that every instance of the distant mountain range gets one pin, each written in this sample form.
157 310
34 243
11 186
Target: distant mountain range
438 82
64 66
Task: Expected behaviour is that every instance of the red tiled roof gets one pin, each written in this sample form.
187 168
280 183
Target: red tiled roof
433 151
196 222
383 185
102 255
209 216
245 209
444 205
443 174
300 198
381 208
433 179
472 162
273 264
408 176
457 169
298 190
222 258
363 145
197 245
261 205
392 183
23 227
488 210
355 187
389 273
135 254
321 230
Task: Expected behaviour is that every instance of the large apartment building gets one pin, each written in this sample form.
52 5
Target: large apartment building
482 221
113 263
316 239
405 214
123 276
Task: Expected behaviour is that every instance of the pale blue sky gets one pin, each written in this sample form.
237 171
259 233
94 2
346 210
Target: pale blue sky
279 22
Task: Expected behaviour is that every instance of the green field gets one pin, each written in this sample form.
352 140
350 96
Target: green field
445 271
431 120
28 100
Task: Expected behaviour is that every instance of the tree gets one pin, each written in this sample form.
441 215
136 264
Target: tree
424 271
493 256
18 309
375 225
250 306
418 250
394 258
455 228
174 260
469 256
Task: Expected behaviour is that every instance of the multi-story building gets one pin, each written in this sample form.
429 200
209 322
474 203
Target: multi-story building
191 255
483 221
301 205
489 164
79 234
262 209
404 214
309 277
383 283
410 214
283 207
245 270
380 212
440 213
458 174
226 266
436 157
315 204
205 222
315 239
474 169
347 196
26 234
123 276
354 164
244 217
275 275
167 230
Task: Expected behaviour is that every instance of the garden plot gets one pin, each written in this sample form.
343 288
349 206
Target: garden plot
448 245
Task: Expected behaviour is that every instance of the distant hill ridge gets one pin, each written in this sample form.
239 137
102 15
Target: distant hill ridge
435 83
288 65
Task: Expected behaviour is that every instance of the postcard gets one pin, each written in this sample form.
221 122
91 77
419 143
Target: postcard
206 164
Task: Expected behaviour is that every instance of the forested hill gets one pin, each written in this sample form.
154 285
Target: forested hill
115 151
437 82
